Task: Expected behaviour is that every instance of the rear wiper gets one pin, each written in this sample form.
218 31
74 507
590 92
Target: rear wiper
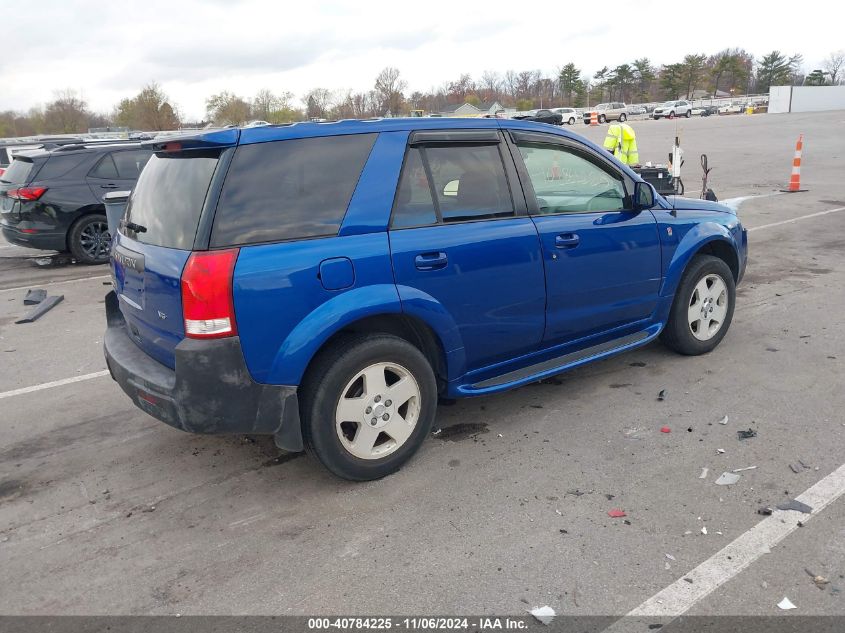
135 228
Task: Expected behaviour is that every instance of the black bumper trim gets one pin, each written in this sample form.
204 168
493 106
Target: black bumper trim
210 391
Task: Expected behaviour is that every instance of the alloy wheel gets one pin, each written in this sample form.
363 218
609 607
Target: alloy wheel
708 307
95 240
378 411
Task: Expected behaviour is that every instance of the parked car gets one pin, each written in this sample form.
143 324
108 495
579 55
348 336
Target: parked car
541 116
327 284
53 200
732 108
615 111
671 109
11 148
567 115
705 110
636 110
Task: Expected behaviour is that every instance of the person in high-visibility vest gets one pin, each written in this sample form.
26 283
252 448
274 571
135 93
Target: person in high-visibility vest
621 141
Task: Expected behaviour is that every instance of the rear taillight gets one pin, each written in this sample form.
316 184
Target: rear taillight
2 170
26 193
207 304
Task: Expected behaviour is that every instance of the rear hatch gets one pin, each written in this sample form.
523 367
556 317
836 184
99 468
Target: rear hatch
16 175
156 238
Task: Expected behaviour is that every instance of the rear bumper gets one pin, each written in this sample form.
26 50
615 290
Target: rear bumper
210 391
41 240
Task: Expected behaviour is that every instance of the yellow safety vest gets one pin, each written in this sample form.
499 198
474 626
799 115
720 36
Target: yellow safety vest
621 140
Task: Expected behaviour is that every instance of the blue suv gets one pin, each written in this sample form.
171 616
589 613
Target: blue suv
326 283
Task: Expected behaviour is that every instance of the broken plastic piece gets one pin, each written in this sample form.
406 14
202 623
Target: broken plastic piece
704 472
765 511
616 514
41 309
704 530
739 470
727 479
670 557
724 420
720 450
786 604
796 505
795 468
744 435
34 296
665 429
662 395
543 614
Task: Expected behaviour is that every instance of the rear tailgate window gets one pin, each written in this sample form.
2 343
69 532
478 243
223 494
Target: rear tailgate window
169 196
291 189
18 172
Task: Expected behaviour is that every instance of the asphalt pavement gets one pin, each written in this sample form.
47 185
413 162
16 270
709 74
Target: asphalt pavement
104 510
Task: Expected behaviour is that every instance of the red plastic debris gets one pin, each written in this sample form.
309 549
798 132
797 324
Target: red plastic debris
616 514
665 429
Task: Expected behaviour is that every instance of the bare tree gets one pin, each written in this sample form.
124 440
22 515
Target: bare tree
68 113
318 102
388 88
148 110
226 108
833 65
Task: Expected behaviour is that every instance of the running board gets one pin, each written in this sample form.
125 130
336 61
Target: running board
562 361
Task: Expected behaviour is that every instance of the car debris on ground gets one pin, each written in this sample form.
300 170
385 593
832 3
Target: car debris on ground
727 479
42 308
665 429
744 435
34 296
820 581
794 504
662 395
724 420
616 514
704 472
544 614
786 604
740 470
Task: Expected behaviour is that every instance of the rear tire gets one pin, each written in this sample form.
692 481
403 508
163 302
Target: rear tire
89 240
571 120
393 385
602 119
688 114
703 307
623 118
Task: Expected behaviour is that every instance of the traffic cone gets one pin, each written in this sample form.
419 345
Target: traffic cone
594 118
795 178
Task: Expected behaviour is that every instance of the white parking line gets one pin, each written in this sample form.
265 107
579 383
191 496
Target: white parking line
799 218
55 283
681 595
55 383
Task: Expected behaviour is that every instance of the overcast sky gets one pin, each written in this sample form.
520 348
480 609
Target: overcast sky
107 50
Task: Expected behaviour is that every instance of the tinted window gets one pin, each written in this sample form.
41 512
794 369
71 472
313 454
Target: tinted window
105 168
169 196
565 181
289 189
413 205
469 182
18 172
58 165
129 164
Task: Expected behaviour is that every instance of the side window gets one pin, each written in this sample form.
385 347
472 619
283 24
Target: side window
413 205
104 169
130 163
469 183
293 189
566 181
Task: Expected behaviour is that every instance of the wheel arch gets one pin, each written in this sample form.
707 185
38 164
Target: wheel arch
704 239
80 214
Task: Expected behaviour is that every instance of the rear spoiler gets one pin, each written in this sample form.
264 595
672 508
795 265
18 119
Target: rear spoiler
212 140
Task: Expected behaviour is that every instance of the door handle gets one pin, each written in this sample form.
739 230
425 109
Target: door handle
567 240
431 261
108 186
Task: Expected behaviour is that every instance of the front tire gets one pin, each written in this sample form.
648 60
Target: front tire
703 307
602 118
622 118
368 403
571 120
688 114
89 240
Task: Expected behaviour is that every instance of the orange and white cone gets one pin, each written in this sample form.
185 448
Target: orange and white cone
594 118
795 178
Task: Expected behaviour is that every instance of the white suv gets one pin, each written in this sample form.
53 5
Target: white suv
671 109
569 115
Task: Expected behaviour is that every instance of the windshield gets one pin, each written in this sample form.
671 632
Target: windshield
668 104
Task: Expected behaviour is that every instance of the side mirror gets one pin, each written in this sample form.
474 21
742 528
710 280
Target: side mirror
644 196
